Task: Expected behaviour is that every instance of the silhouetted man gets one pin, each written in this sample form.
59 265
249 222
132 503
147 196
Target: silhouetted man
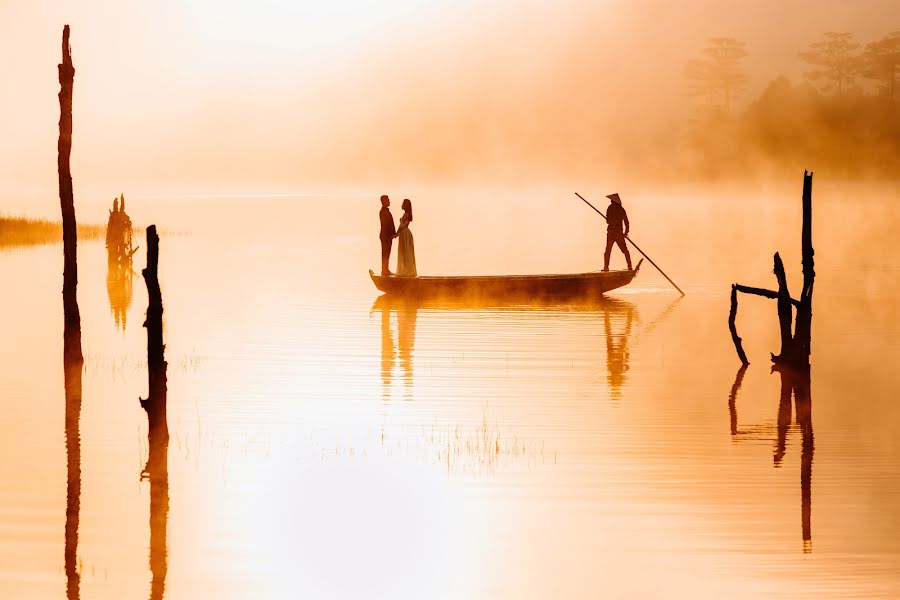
387 234
616 219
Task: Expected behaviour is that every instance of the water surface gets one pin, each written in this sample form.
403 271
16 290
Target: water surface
327 444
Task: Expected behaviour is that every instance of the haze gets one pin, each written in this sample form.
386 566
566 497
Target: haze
270 96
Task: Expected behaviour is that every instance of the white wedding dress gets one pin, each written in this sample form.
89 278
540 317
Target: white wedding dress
406 255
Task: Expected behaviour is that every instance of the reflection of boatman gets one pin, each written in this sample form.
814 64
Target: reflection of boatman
616 229
617 354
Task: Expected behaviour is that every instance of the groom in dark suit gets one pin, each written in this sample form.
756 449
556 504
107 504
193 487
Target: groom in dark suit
387 234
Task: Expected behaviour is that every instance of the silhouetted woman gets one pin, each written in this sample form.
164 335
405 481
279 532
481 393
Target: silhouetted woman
406 257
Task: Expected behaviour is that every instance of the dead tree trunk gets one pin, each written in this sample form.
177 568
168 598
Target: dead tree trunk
73 359
157 468
796 346
785 315
793 361
732 315
66 199
156 361
803 329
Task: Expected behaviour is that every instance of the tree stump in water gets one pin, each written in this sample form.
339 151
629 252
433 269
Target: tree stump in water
796 345
66 199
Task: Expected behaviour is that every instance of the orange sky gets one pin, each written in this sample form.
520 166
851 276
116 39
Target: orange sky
276 95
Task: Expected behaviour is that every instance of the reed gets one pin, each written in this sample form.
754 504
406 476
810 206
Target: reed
23 231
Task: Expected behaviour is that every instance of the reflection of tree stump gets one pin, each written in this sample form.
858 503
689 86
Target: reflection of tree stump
796 346
797 383
72 370
803 405
793 383
732 397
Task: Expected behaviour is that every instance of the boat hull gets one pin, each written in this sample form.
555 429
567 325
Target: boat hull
533 287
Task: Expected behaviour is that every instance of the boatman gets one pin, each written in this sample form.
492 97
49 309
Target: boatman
387 234
616 230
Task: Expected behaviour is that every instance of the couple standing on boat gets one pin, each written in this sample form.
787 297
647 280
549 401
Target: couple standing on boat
406 254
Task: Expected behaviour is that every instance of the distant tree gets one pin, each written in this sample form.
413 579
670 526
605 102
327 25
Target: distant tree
718 77
837 61
881 62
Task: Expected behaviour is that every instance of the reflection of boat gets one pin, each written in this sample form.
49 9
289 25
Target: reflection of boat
526 287
617 318
502 303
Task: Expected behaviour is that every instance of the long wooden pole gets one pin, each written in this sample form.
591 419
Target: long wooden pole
636 247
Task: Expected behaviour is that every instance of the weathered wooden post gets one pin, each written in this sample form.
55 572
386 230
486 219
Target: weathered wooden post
157 467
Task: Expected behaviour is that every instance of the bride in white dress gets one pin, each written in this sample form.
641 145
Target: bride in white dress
406 255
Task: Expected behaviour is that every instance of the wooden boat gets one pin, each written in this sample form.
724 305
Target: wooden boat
528 287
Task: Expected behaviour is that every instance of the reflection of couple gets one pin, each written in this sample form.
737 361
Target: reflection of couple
406 334
406 254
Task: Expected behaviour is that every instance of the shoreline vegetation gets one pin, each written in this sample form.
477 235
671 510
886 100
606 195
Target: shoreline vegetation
843 117
18 232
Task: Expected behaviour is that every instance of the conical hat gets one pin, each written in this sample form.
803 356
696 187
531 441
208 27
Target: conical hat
615 198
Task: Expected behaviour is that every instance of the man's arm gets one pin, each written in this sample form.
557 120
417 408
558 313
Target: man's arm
627 225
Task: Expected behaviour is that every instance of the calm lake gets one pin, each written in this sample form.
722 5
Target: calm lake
327 445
